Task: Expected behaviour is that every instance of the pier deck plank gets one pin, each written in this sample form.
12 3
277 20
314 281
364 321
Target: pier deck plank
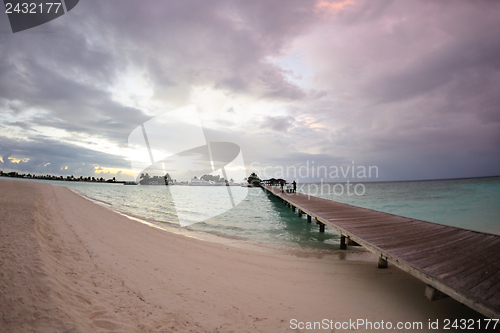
461 263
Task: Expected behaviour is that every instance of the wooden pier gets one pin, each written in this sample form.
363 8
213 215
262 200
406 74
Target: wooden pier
460 263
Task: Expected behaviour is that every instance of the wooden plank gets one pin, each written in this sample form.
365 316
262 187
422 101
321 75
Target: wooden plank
407 233
447 238
449 245
486 287
495 295
369 221
469 250
472 274
377 229
420 242
481 256
442 268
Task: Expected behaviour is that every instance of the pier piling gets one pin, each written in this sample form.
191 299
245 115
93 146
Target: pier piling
342 243
350 242
433 294
382 263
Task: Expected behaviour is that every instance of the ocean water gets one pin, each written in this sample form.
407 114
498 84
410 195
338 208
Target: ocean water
259 218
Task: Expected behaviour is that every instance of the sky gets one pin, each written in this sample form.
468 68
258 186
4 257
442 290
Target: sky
410 89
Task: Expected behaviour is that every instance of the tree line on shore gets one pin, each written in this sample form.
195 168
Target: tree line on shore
146 179
60 178
215 178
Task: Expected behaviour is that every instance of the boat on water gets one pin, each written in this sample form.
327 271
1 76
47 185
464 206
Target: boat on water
129 183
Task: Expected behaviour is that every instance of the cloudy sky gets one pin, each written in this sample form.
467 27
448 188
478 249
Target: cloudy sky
411 87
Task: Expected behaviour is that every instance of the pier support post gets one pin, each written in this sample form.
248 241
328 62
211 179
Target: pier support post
309 219
350 242
382 263
300 213
293 208
321 227
433 294
342 242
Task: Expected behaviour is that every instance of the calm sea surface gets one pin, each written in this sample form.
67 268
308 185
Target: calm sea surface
467 203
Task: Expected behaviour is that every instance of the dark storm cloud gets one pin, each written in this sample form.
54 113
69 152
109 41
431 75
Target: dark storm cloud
48 156
64 79
66 104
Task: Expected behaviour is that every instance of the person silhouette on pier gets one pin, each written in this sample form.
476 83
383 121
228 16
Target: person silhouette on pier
294 186
282 183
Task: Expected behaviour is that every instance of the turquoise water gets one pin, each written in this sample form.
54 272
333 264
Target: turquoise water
468 203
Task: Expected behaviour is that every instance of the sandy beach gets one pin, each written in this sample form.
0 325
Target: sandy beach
70 265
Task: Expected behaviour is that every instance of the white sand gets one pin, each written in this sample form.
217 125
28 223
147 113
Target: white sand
69 265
